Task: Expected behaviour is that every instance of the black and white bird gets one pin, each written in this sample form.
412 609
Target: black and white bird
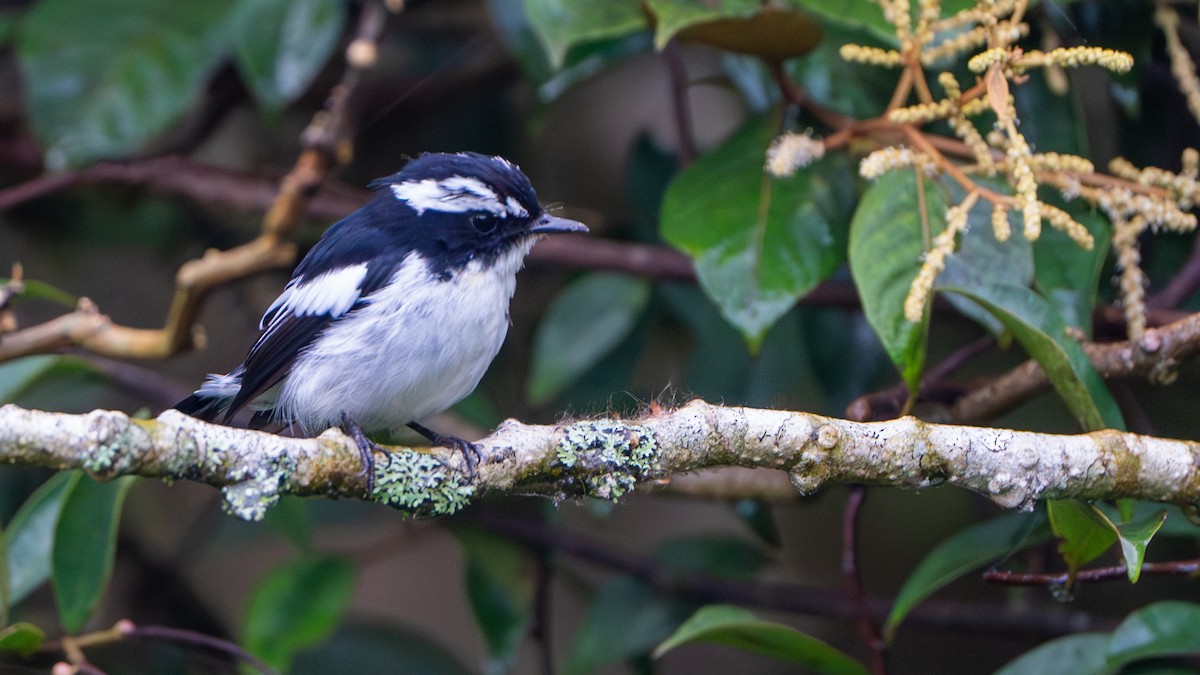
397 311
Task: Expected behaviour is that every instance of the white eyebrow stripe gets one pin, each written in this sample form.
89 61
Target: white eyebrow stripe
456 194
332 293
515 208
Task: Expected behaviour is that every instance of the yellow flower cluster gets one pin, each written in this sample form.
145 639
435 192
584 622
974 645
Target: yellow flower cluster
1182 65
962 125
1054 161
972 39
1023 180
935 258
1150 198
1062 221
1132 212
1001 228
1183 186
894 157
790 151
1159 213
1071 57
1132 279
888 58
984 60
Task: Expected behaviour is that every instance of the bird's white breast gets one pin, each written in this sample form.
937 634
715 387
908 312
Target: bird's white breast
419 346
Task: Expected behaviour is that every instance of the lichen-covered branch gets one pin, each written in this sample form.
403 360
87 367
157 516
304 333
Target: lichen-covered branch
607 458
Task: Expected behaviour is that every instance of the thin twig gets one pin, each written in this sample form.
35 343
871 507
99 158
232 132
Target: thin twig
684 127
1114 573
985 618
326 143
543 624
1158 355
796 95
200 640
887 403
852 576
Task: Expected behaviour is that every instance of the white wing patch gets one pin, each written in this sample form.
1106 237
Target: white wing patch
332 293
456 194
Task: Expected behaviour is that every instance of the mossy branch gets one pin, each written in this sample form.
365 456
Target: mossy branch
607 458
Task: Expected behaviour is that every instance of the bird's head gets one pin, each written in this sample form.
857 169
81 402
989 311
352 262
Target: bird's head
467 206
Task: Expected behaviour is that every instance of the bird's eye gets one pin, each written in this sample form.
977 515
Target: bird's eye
484 223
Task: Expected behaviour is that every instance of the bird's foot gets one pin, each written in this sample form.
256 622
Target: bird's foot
366 450
471 452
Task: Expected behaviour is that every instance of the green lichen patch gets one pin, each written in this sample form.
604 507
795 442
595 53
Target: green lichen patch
608 458
420 484
258 488
109 435
249 500
103 460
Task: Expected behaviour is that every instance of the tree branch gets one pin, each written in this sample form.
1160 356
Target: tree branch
325 143
608 458
1157 355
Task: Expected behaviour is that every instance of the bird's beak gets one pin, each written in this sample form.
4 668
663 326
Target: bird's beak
548 224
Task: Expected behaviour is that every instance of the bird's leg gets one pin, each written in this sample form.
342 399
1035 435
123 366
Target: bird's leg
366 450
470 451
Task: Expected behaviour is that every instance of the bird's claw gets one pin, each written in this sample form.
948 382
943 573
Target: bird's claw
472 455
471 452
366 451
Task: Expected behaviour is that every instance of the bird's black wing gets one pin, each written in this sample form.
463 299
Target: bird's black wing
349 263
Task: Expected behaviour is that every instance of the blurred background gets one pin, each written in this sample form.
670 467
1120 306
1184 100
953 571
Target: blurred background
514 582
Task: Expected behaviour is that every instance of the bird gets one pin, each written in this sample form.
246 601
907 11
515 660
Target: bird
396 312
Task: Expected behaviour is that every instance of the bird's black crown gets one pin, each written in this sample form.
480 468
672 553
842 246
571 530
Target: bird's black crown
449 208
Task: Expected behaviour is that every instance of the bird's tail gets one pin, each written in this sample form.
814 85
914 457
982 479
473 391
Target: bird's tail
213 397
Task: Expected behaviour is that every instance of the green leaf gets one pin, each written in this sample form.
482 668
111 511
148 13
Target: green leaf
1080 654
85 543
727 557
625 619
1166 628
8 21
21 637
824 73
16 376
501 585
886 246
1035 323
297 605
1083 533
1134 536
104 76
1176 525
855 15
283 44
373 649
40 290
759 243
587 320
30 535
774 32
1051 122
1068 275
737 627
981 262
290 518
5 593
965 551
562 24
